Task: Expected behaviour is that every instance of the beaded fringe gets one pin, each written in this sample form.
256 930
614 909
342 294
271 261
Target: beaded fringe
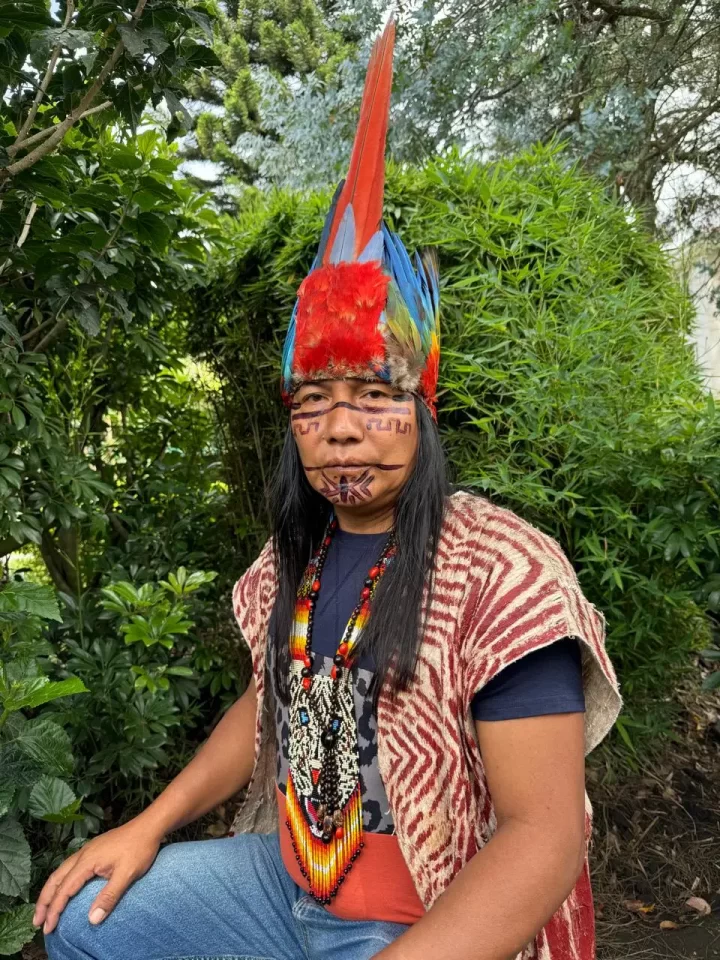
325 865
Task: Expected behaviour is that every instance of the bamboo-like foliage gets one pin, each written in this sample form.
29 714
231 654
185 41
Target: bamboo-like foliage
569 388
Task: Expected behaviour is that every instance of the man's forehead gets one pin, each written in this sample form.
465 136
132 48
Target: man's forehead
353 381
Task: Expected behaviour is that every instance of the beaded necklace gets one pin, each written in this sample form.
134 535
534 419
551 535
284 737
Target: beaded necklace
325 818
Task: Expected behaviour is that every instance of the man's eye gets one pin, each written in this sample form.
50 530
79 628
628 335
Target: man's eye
376 395
312 397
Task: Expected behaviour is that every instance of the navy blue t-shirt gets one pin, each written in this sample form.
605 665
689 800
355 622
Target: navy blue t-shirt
548 680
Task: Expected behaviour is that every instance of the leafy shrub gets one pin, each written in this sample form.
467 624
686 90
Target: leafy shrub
35 752
569 389
135 647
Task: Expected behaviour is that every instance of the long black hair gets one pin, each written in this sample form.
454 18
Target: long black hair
394 630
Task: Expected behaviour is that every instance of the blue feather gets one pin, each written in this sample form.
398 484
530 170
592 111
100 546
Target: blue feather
373 248
418 286
289 350
327 226
343 248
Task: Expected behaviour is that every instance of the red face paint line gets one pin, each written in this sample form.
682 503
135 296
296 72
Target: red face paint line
368 408
386 426
303 429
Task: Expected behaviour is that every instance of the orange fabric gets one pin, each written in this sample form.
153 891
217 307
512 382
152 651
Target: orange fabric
379 885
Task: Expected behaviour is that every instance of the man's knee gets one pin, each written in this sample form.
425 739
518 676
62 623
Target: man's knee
73 928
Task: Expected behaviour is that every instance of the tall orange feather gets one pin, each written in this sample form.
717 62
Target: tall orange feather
365 180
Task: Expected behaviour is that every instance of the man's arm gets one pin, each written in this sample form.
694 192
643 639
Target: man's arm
221 767
509 890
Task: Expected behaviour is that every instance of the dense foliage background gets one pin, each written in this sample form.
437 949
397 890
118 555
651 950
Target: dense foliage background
569 390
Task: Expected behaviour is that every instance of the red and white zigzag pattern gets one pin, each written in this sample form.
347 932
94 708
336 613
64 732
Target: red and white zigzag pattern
502 588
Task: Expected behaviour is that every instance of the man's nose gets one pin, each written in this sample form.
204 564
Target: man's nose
343 424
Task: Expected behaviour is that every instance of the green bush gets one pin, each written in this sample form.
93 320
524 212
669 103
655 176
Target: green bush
569 390
153 684
35 752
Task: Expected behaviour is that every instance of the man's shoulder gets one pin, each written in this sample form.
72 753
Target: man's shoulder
483 529
254 590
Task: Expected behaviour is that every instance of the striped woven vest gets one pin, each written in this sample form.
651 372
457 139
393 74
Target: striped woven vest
502 589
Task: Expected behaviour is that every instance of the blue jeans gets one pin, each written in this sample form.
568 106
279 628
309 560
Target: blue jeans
226 899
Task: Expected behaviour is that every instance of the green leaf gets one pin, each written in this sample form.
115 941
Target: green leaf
89 319
18 417
176 106
32 598
129 103
123 159
621 727
163 166
16 928
139 630
73 78
122 591
24 14
17 768
48 744
203 21
153 231
14 859
52 799
199 55
712 681
181 671
38 690
133 40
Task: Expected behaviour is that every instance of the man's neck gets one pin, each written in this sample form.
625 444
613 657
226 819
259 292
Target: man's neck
372 521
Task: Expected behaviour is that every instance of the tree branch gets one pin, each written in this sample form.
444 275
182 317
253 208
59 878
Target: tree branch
661 146
36 330
42 89
72 118
620 10
48 338
26 226
43 134
55 564
474 99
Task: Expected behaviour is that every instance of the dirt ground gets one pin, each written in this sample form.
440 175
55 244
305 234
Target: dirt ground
656 845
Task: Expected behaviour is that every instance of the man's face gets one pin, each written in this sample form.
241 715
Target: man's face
357 441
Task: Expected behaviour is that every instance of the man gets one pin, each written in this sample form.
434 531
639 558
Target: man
427 676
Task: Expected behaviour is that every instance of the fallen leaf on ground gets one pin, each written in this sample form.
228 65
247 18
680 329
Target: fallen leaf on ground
669 925
637 906
698 904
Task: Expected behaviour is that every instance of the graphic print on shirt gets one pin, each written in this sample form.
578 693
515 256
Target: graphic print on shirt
324 861
308 721
375 805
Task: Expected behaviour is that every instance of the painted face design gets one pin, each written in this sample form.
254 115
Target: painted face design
357 440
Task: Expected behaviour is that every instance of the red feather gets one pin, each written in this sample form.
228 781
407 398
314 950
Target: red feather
337 320
365 181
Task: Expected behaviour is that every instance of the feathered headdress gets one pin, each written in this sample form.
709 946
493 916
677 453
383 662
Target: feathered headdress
364 310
